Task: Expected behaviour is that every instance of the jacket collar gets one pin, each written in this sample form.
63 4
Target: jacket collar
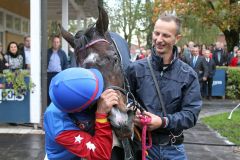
157 61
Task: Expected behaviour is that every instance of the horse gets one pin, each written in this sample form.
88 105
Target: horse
95 48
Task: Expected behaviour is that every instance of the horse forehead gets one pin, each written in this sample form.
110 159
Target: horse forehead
92 57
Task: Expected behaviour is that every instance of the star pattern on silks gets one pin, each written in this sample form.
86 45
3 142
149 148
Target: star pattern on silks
91 146
78 139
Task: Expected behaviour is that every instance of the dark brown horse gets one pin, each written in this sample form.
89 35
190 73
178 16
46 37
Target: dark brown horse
94 48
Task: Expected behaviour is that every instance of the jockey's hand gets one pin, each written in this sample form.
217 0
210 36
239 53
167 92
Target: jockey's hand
136 119
107 100
155 123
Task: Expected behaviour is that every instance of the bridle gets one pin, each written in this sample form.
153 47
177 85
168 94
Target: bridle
92 43
131 103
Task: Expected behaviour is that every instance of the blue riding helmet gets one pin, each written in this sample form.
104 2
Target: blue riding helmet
74 89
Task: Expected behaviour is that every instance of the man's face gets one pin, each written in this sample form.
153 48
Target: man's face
235 49
27 42
207 53
56 43
164 36
195 51
238 53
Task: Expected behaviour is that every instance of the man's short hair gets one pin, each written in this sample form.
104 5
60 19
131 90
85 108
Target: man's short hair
168 17
56 36
25 37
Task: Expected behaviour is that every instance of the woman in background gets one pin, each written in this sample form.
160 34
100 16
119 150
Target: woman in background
13 56
235 62
3 62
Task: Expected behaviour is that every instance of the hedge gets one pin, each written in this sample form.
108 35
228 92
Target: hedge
233 82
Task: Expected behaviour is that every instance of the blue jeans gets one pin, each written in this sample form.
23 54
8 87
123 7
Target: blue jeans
168 152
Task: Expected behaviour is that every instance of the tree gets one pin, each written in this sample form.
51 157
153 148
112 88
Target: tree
124 17
222 13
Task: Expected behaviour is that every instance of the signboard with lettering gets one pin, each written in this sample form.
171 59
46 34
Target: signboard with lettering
14 109
219 81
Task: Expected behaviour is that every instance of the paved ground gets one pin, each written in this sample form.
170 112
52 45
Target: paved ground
24 143
204 135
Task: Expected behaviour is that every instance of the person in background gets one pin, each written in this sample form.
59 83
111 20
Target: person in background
232 54
187 52
219 55
57 60
13 57
179 87
199 65
207 85
235 62
3 62
27 52
141 55
148 52
72 62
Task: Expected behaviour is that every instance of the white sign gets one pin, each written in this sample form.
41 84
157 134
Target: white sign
10 96
217 83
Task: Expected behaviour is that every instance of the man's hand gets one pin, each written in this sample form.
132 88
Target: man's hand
155 123
107 100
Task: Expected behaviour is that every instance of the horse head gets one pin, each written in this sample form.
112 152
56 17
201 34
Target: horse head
94 48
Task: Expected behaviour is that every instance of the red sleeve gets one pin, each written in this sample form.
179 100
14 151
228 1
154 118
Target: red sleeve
83 145
234 62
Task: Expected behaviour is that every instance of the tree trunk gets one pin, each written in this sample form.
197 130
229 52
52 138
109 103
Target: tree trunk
149 36
232 38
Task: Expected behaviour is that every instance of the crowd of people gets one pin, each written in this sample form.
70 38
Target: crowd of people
218 53
204 59
17 55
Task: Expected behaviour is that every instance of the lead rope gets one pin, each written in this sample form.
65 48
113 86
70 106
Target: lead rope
145 120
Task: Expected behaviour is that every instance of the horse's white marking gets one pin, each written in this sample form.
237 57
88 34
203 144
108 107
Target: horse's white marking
91 58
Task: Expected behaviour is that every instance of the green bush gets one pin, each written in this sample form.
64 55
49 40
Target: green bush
233 82
17 81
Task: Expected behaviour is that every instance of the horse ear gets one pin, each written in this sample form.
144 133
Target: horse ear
102 22
67 36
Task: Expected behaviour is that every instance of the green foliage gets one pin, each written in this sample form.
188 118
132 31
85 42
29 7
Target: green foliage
233 82
227 128
17 81
194 30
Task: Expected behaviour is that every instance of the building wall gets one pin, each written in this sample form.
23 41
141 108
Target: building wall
13 37
20 7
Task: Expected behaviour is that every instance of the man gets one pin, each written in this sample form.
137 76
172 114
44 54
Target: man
200 66
179 88
187 52
57 60
219 55
207 85
27 52
74 126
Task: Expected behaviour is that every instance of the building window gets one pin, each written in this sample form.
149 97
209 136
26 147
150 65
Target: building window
25 26
17 24
9 21
1 38
1 19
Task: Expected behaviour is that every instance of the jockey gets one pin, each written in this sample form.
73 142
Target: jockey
74 127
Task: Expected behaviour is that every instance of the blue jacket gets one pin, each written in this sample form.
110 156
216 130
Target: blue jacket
179 87
62 55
